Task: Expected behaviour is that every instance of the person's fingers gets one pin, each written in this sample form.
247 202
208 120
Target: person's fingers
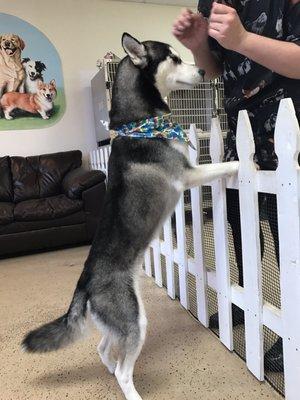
177 33
214 33
215 26
216 18
218 8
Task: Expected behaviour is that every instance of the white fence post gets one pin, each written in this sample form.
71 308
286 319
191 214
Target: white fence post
199 257
221 239
169 254
251 247
182 254
287 146
148 269
157 263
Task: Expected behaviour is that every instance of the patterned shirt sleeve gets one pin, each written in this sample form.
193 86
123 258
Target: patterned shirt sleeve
292 24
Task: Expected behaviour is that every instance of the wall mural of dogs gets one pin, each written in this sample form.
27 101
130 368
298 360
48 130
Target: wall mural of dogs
31 80
21 81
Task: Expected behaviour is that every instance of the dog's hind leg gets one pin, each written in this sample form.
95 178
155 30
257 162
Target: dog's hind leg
7 112
105 352
128 354
125 367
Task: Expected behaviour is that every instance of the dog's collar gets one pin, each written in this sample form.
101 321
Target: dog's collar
153 128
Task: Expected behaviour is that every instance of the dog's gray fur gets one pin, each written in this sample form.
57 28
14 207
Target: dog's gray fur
145 179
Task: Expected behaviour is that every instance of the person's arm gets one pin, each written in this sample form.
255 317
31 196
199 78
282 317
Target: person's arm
278 56
208 61
281 57
191 30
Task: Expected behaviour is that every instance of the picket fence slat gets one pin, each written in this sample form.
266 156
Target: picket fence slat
181 251
157 262
169 254
198 241
287 147
148 269
285 183
251 253
221 240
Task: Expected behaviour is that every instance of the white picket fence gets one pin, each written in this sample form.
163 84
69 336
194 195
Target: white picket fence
284 182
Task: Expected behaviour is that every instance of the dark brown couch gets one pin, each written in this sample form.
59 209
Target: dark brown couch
48 201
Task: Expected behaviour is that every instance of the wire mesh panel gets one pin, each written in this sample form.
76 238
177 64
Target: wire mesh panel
196 106
110 74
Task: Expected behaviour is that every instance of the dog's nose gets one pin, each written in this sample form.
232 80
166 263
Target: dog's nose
48 96
201 72
7 42
31 73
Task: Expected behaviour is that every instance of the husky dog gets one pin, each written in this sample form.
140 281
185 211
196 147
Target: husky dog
34 74
146 176
38 103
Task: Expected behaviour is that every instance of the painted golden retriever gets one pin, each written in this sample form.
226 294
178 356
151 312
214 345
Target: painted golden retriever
12 73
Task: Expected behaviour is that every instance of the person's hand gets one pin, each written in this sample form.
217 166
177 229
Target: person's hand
226 27
191 29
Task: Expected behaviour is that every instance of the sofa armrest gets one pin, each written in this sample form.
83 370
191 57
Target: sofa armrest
79 180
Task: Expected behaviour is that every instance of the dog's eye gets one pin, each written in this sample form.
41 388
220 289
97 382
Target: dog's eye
175 59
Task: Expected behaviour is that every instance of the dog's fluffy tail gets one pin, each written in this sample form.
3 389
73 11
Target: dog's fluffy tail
62 331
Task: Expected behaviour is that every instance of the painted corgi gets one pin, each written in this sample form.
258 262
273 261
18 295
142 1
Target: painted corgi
37 103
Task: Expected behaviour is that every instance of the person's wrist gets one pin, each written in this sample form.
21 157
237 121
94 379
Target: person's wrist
243 44
202 47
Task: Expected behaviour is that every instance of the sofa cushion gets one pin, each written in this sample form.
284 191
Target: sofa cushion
6 213
46 208
6 193
41 176
27 226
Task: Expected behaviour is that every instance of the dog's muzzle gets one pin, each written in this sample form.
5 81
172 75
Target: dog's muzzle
9 49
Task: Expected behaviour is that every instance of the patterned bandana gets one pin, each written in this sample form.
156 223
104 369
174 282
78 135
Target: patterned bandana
153 128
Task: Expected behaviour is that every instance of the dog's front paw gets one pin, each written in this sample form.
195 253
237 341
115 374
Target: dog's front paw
232 167
8 117
45 117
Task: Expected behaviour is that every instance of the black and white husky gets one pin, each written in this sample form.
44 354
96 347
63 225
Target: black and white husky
145 179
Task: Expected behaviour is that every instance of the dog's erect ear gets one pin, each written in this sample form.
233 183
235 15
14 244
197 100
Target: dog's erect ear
41 65
22 43
40 84
53 83
25 60
135 49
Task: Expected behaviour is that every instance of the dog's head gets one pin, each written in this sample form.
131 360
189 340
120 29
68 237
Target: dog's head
47 90
33 69
162 65
10 43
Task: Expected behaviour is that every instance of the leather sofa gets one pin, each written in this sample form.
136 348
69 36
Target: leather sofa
48 201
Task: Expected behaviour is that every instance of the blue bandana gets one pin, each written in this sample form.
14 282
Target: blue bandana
153 128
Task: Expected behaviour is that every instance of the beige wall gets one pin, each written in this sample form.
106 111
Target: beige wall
82 31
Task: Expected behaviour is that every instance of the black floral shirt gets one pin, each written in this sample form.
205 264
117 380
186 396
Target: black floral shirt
251 86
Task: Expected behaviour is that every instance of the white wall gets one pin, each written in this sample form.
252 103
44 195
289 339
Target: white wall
82 31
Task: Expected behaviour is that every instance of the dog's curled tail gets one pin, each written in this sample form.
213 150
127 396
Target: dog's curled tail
62 331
